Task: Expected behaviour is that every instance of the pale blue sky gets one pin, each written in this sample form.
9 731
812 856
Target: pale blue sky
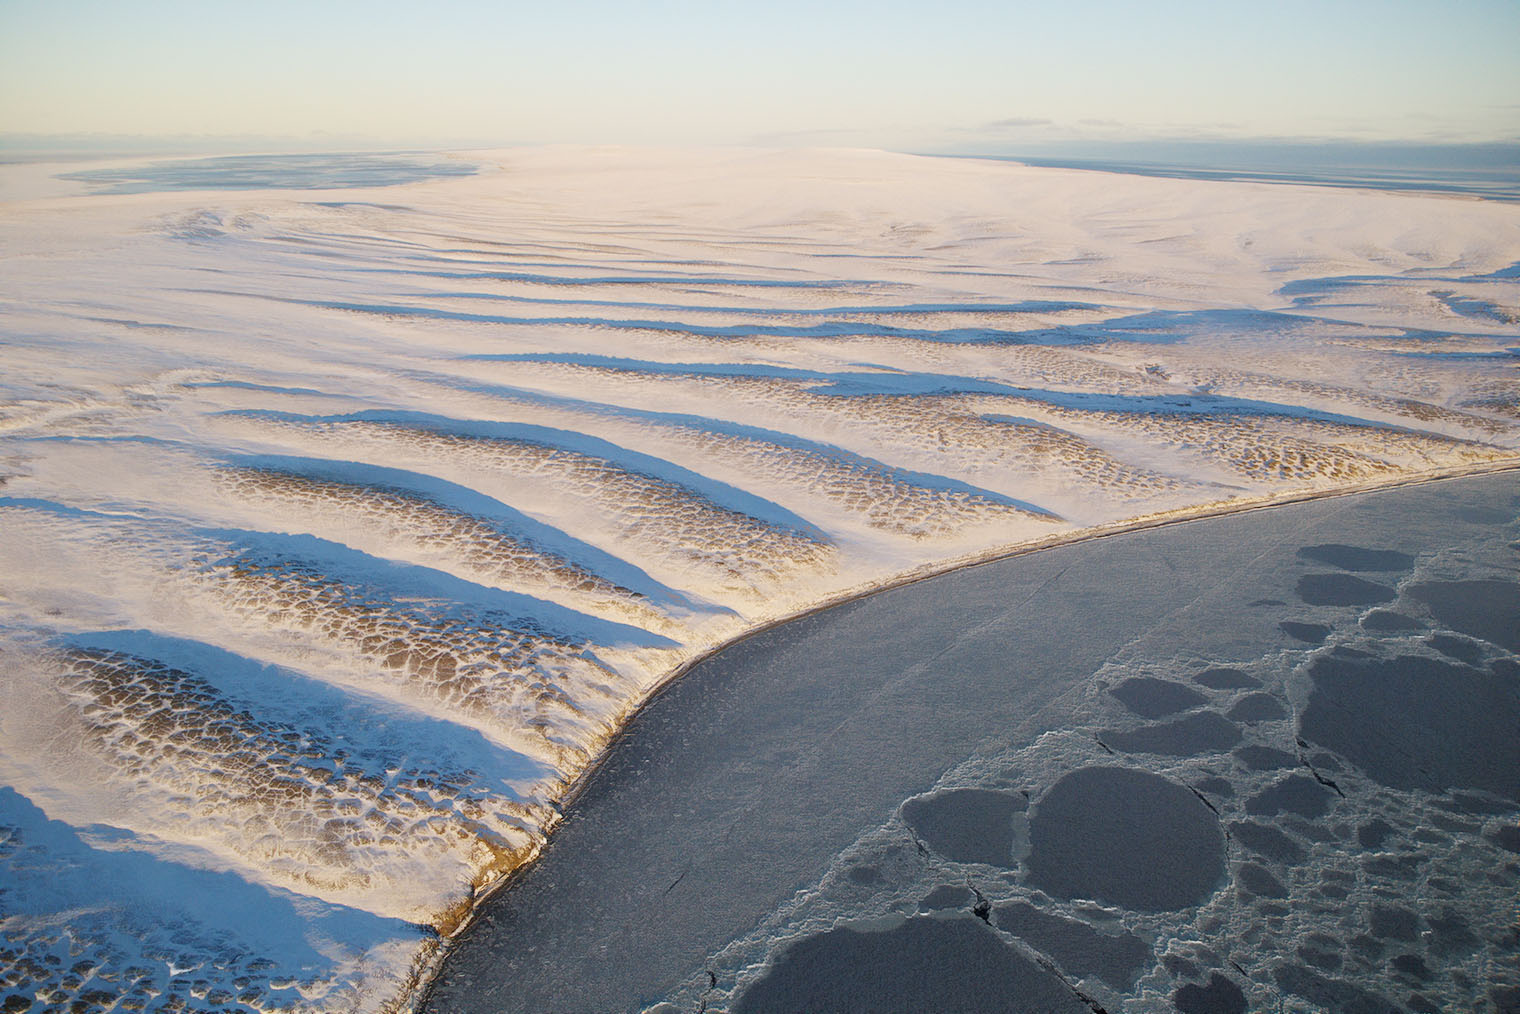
952 75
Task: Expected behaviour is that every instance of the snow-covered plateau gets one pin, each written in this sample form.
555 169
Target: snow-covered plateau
341 529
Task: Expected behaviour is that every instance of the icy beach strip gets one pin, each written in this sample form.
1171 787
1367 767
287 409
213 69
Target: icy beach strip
343 528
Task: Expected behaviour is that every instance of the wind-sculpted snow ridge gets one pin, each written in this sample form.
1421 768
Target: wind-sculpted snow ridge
340 536
677 523
495 543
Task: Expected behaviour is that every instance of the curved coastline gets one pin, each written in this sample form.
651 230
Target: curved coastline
929 572
429 971
928 361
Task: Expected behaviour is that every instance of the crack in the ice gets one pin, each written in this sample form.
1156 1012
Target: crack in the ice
712 984
1049 966
1304 760
1205 801
983 908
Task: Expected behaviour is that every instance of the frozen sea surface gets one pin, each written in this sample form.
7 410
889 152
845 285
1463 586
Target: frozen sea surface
269 172
342 535
988 791
1495 178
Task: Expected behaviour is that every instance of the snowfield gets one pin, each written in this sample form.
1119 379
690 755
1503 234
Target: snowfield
341 529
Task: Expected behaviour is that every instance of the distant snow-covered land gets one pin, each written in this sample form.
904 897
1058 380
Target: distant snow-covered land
343 527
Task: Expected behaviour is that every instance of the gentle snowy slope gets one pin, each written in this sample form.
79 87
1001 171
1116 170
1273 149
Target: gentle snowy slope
343 528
